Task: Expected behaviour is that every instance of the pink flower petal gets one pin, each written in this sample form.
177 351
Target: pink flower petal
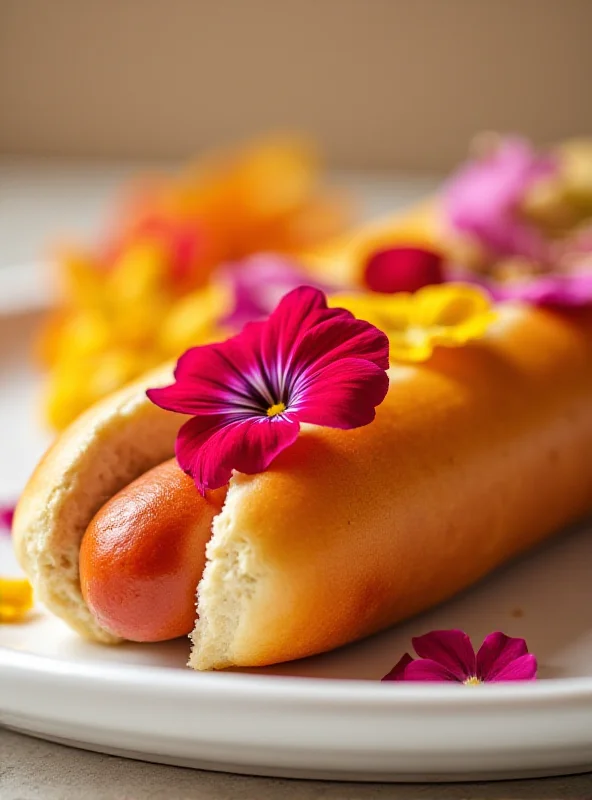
295 314
341 395
496 652
210 452
6 517
258 284
523 668
398 671
342 336
403 269
213 379
548 289
426 669
482 199
451 649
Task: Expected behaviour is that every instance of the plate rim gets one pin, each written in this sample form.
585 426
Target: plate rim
332 691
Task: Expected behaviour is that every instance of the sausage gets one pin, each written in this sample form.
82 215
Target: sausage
143 555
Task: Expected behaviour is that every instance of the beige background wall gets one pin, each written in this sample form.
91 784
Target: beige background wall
381 83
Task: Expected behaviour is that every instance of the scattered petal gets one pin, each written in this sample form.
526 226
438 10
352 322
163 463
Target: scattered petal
398 671
496 652
523 668
16 599
452 650
6 517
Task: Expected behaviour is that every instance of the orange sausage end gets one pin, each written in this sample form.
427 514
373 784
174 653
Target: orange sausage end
143 555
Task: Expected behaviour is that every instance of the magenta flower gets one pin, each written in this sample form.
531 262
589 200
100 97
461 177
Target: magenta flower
248 395
449 656
259 282
6 517
402 269
483 198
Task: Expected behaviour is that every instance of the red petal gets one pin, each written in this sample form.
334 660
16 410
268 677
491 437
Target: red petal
496 653
523 668
403 269
451 649
209 448
398 671
341 395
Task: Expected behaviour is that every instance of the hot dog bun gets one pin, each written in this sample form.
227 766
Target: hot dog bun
473 457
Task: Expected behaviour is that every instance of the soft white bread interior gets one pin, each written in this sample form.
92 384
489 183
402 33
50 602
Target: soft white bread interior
108 446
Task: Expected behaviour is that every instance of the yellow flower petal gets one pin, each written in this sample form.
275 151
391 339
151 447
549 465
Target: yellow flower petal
448 315
16 599
194 320
139 274
76 384
81 279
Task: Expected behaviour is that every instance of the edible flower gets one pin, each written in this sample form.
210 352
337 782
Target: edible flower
247 396
483 198
519 222
16 599
258 283
449 656
402 269
6 517
448 315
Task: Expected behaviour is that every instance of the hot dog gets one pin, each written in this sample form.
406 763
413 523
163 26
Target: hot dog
473 457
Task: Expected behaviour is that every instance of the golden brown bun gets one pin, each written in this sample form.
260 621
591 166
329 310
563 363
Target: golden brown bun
112 443
473 457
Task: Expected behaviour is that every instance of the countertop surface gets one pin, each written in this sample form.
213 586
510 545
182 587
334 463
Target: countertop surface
35 770
40 202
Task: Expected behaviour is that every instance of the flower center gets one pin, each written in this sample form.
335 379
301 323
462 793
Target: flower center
276 409
473 681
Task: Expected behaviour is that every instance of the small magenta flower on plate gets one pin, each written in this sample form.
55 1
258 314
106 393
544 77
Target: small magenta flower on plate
450 656
248 396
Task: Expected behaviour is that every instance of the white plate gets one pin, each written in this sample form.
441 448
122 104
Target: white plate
323 717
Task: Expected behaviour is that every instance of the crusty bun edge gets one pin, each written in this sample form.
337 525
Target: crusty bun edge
106 448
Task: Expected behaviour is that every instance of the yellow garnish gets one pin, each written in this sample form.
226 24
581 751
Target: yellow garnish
447 315
16 598
152 291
